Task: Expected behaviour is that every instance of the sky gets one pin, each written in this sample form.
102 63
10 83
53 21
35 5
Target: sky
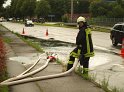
7 3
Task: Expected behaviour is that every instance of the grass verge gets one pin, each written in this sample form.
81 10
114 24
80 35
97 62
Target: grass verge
98 29
4 89
35 45
104 84
7 40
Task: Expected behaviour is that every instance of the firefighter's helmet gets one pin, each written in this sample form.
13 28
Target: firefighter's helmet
81 19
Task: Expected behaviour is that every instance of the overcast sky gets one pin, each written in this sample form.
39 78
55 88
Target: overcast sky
7 3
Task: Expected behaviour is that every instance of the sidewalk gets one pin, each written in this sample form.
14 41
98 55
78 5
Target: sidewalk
16 49
72 83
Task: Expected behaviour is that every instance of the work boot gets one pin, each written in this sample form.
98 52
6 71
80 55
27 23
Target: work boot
85 73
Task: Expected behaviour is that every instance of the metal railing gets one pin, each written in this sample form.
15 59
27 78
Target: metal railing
105 21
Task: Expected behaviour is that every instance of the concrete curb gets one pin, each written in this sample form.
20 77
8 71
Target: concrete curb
106 50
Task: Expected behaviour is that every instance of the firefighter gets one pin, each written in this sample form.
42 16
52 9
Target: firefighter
84 49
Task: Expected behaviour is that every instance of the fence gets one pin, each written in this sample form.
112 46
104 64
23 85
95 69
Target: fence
105 21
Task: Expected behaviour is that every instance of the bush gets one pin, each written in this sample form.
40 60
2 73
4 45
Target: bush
65 18
2 61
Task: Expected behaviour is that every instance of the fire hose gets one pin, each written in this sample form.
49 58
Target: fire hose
23 75
15 81
31 66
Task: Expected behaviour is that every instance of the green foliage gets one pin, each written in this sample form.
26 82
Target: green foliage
58 7
7 40
104 84
98 8
18 10
81 6
118 12
4 89
65 18
35 45
8 12
42 8
100 29
13 7
28 8
110 10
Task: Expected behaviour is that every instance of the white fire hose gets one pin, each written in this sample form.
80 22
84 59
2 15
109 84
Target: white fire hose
40 77
23 75
31 67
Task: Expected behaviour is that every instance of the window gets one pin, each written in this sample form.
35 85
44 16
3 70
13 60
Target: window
118 27
123 28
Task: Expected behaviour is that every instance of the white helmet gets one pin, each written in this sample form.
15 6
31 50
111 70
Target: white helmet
81 19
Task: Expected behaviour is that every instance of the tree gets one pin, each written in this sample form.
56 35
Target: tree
81 6
18 11
58 8
94 8
7 12
2 2
111 10
119 2
42 8
1 7
99 8
28 8
13 7
118 12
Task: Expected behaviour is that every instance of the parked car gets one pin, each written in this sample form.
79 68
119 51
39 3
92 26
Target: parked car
2 19
9 19
40 20
117 33
29 23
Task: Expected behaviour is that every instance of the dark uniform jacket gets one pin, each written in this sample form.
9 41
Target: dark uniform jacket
82 42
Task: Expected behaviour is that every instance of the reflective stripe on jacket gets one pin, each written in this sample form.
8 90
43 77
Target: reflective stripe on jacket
89 43
84 38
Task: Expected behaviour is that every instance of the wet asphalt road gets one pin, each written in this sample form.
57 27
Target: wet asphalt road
100 39
58 33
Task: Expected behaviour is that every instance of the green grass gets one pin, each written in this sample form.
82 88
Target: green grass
101 29
104 84
7 40
56 25
3 77
4 89
35 45
58 61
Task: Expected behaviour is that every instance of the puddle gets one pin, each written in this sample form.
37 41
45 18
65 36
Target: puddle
63 49
55 43
23 60
99 59
50 42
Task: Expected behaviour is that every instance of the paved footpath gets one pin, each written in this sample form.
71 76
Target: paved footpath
72 83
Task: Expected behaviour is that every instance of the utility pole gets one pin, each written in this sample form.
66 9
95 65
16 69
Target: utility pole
72 9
